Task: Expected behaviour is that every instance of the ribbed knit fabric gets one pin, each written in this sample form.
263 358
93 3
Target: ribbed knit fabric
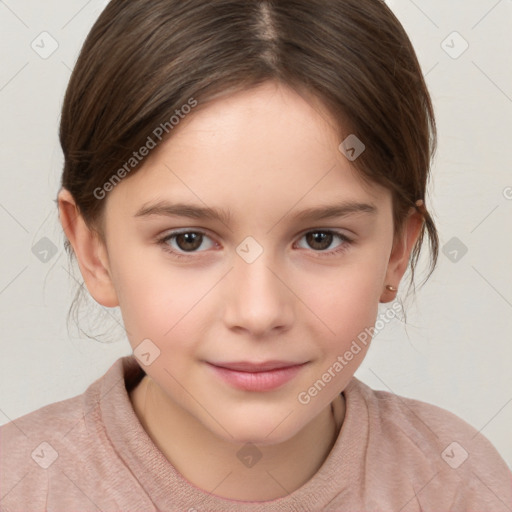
91 453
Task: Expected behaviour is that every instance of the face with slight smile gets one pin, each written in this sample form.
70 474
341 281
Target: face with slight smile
264 284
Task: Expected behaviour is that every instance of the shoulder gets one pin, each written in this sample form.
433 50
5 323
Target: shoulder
30 445
436 451
41 450
426 426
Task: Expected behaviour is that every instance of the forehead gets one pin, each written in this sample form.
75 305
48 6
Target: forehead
267 146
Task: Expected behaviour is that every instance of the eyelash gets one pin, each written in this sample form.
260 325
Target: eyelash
344 247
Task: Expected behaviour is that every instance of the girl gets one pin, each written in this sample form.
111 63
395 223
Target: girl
247 182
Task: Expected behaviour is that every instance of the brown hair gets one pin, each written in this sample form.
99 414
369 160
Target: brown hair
144 59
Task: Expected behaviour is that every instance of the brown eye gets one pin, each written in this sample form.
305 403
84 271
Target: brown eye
319 240
179 243
189 241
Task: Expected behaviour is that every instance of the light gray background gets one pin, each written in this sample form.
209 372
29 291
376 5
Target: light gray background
456 351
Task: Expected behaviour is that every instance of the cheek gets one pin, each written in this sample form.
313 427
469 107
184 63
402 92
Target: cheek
344 298
157 302
162 301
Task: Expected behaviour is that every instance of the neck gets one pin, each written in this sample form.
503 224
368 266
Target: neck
206 460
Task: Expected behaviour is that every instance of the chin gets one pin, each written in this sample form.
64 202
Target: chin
257 430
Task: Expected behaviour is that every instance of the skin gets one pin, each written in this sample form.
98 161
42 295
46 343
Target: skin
264 154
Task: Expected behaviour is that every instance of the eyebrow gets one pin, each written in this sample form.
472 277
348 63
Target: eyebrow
167 209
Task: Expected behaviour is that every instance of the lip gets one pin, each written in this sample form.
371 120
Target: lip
248 366
250 376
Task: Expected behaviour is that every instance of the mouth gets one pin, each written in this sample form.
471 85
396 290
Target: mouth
250 376
247 366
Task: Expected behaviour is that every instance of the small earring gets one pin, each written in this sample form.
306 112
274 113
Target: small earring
391 288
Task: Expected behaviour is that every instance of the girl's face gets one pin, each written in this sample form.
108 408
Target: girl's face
243 270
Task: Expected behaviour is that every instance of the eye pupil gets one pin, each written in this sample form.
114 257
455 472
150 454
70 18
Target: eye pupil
189 238
191 241
319 237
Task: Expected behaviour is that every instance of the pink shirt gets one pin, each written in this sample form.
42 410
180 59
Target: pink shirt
90 453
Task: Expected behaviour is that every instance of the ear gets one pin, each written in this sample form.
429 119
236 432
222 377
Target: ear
90 251
401 252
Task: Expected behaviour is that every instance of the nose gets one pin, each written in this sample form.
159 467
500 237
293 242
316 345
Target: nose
258 297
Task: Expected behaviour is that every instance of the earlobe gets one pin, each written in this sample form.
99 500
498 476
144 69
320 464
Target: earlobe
90 251
400 254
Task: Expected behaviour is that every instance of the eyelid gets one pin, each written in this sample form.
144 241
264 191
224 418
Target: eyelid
205 232
347 241
180 231
341 231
